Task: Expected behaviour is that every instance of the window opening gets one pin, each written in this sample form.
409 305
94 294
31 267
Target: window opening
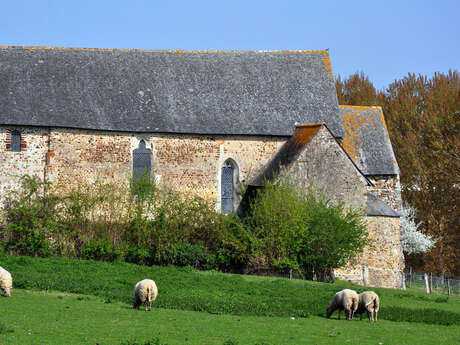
142 162
16 141
227 189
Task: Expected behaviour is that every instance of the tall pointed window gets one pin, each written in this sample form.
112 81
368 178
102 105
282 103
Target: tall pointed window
229 177
142 162
16 141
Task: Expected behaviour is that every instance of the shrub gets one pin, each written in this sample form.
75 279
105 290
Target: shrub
140 223
234 248
30 219
186 254
101 249
284 229
139 255
297 229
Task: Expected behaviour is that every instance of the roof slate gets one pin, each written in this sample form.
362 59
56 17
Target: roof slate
366 140
375 207
254 93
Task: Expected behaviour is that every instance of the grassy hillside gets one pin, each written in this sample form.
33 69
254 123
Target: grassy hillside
56 318
218 293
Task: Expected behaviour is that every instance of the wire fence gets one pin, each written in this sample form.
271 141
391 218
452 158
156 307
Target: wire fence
432 283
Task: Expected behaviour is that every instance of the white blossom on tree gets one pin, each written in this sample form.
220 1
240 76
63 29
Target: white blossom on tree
413 241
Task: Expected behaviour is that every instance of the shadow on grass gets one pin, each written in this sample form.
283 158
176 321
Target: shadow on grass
400 314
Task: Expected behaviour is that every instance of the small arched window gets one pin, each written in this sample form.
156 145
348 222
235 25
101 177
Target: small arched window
229 177
142 162
15 141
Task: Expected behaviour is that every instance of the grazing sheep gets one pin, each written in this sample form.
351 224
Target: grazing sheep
6 281
368 302
145 293
344 300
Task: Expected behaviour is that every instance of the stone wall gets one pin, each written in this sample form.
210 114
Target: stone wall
388 189
193 163
83 156
30 160
183 162
382 262
324 164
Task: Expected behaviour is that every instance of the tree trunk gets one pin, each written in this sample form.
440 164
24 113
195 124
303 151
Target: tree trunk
325 275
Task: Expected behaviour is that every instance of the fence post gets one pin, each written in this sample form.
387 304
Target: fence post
290 273
431 282
427 284
363 273
410 277
448 287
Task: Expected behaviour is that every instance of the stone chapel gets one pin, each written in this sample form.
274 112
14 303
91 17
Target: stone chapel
201 121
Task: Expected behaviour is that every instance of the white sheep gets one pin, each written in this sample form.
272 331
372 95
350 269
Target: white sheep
368 302
344 300
6 281
145 292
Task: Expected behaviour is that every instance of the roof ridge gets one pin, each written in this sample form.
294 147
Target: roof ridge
177 51
369 107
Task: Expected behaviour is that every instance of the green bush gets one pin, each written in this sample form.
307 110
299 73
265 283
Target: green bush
302 230
139 255
100 249
140 223
284 229
187 254
30 219
234 249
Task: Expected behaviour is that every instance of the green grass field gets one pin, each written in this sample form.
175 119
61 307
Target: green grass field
59 301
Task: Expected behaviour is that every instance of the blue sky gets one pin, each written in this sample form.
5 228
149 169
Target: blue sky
384 39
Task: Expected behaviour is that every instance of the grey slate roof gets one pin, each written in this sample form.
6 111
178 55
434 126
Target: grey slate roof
366 140
375 207
252 93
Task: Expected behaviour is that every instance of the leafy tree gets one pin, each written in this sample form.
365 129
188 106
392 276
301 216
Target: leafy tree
423 117
357 89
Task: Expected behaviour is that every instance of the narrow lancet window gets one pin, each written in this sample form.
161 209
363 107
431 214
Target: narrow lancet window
142 162
227 187
16 141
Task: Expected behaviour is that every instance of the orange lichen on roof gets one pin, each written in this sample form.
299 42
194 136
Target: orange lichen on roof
360 107
179 52
382 118
303 134
353 121
327 63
